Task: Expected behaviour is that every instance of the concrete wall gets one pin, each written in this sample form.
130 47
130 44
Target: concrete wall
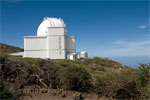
57 31
55 45
35 47
57 54
70 44
35 54
56 42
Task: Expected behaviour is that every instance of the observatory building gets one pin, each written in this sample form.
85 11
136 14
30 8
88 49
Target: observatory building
51 42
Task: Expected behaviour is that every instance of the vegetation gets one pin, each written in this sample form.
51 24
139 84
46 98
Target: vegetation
9 49
75 78
97 75
5 94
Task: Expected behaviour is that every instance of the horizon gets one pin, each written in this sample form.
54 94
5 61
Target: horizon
112 29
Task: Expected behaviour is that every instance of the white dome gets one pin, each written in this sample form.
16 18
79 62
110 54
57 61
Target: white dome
49 22
83 53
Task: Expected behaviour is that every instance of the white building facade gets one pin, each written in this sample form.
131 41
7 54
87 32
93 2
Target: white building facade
51 41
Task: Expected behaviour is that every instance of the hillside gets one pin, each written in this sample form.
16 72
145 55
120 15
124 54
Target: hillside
96 78
4 48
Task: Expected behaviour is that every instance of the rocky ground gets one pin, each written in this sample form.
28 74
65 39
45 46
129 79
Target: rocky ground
65 96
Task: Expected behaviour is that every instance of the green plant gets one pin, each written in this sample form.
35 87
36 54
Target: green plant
5 94
144 74
144 80
75 78
3 59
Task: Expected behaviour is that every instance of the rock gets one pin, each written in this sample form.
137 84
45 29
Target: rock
20 86
104 98
63 95
12 80
54 94
77 96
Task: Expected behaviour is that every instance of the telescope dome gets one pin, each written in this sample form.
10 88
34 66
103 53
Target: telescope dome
49 22
83 53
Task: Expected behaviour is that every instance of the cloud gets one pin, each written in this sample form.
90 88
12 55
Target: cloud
132 44
143 26
146 25
125 48
100 43
119 42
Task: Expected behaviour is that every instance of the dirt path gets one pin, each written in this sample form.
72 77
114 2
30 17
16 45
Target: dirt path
46 96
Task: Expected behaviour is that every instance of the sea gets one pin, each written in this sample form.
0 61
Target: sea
132 61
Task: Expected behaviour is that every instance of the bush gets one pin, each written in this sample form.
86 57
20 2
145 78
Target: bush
5 94
3 59
144 74
144 81
106 62
117 84
75 78
129 83
108 77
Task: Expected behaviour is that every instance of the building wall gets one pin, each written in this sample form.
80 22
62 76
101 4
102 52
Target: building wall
57 31
35 47
35 54
70 44
56 54
56 43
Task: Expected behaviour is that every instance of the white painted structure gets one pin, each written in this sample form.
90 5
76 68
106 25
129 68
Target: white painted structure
83 54
17 54
51 41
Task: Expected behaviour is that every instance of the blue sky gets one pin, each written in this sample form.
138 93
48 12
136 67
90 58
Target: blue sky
103 28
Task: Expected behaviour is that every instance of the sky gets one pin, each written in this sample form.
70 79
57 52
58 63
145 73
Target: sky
114 29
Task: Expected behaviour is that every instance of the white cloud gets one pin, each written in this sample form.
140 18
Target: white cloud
125 48
119 42
132 44
100 43
142 26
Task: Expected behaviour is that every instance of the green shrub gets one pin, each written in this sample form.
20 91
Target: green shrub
144 81
111 83
105 76
144 74
5 94
3 59
75 78
106 62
